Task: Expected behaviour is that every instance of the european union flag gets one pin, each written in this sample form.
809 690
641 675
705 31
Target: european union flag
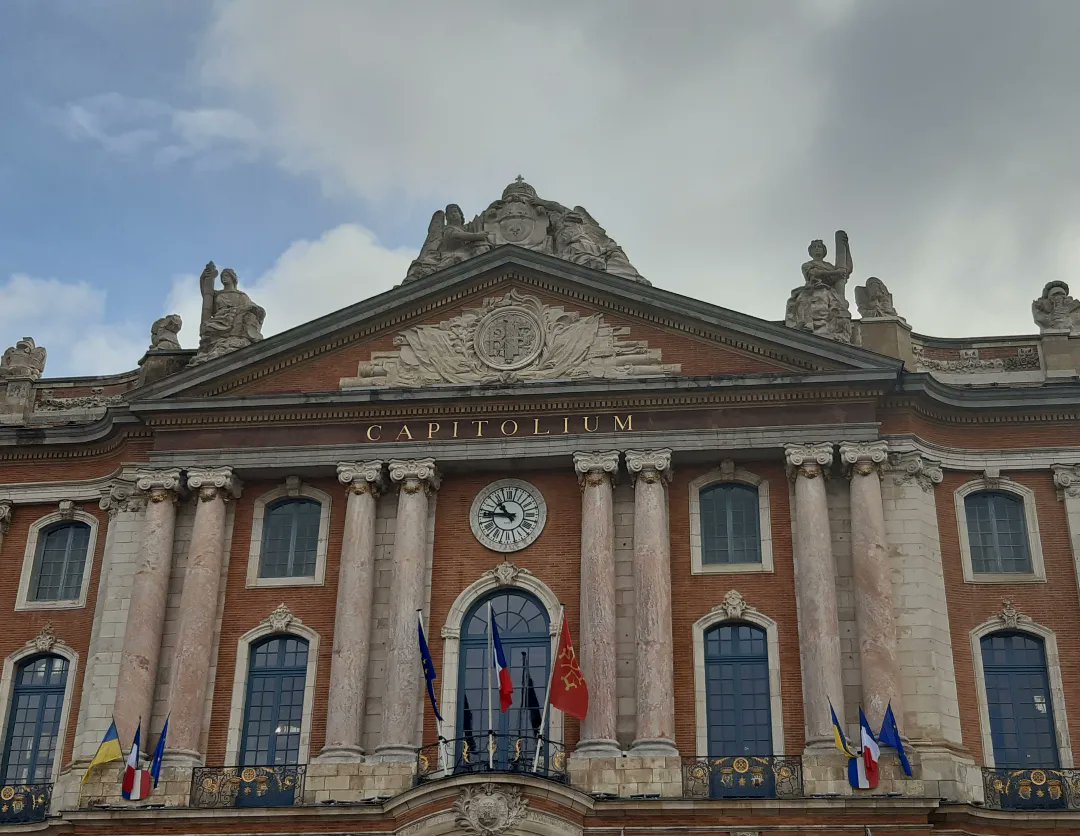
890 736
429 668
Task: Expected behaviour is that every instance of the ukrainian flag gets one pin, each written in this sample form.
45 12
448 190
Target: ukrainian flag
108 751
838 734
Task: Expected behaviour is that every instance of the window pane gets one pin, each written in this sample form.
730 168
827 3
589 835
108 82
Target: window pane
1018 701
997 532
274 709
34 720
729 524
738 706
290 539
60 562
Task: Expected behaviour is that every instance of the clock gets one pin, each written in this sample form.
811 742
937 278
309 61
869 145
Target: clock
508 515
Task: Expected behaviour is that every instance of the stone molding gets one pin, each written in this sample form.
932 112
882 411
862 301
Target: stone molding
594 468
649 465
362 477
489 809
414 475
808 460
992 480
861 458
1067 479
507 574
211 482
44 641
917 468
121 495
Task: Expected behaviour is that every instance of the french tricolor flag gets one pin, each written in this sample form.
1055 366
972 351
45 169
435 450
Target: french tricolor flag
863 772
506 685
136 783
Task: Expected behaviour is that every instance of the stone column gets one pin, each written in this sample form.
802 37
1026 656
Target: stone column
352 622
1067 481
815 590
597 631
146 608
198 612
875 614
6 513
655 683
416 479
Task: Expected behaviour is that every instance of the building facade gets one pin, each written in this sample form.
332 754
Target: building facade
744 523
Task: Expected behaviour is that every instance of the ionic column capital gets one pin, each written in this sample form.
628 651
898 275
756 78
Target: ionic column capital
917 468
121 495
1067 478
649 466
596 468
7 511
161 485
212 482
863 458
362 477
808 460
415 475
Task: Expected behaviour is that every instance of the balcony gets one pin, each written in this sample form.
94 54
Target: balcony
743 776
1032 789
502 753
21 803
247 786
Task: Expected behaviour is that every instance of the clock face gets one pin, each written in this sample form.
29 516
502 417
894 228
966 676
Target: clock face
508 515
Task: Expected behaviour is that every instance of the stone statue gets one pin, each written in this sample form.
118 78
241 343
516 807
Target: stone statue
24 359
1056 310
820 305
163 333
874 300
524 219
230 320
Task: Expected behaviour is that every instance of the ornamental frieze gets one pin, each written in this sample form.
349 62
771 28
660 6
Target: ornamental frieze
510 339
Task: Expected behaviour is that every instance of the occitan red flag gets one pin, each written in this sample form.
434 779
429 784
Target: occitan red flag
569 691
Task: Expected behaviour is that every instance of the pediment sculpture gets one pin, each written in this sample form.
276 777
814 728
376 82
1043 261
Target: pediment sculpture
24 359
230 320
510 339
1056 310
820 305
874 301
522 218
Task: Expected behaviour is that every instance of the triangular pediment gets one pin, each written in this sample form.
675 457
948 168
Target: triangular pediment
514 316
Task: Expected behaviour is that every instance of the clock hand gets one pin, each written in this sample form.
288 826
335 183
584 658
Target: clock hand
502 507
506 514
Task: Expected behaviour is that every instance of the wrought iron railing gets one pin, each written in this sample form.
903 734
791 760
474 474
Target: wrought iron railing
24 802
1032 789
491 753
743 776
247 786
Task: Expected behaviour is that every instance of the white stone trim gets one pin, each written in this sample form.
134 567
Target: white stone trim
738 476
722 614
23 602
490 581
1031 523
7 686
1053 671
258 517
243 660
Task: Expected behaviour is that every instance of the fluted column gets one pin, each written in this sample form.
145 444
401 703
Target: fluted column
597 631
815 589
655 681
352 622
146 609
416 479
198 612
875 616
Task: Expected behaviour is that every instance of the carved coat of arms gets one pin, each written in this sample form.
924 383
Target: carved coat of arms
489 809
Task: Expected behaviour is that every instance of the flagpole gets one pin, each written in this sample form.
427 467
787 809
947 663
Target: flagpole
438 722
541 738
490 665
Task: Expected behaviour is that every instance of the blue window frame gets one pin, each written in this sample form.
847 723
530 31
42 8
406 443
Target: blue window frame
1018 701
997 532
33 727
524 629
737 700
290 539
729 524
274 708
59 562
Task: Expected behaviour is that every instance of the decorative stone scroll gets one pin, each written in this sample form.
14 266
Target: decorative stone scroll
968 361
97 399
280 619
44 641
362 477
66 509
121 496
914 467
1056 310
1009 616
523 219
734 606
414 475
510 339
209 481
489 809
863 457
808 460
506 573
1067 478
593 468
650 465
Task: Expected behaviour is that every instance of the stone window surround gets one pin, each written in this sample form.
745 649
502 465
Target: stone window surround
257 519
1031 523
7 683
524 581
240 681
772 640
1053 672
23 602
742 477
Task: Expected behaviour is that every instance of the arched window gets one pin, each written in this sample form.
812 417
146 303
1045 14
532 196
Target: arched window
59 562
729 524
997 532
274 707
33 727
290 539
1018 701
737 699
525 634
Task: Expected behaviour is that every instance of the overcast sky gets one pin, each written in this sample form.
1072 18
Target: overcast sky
306 143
